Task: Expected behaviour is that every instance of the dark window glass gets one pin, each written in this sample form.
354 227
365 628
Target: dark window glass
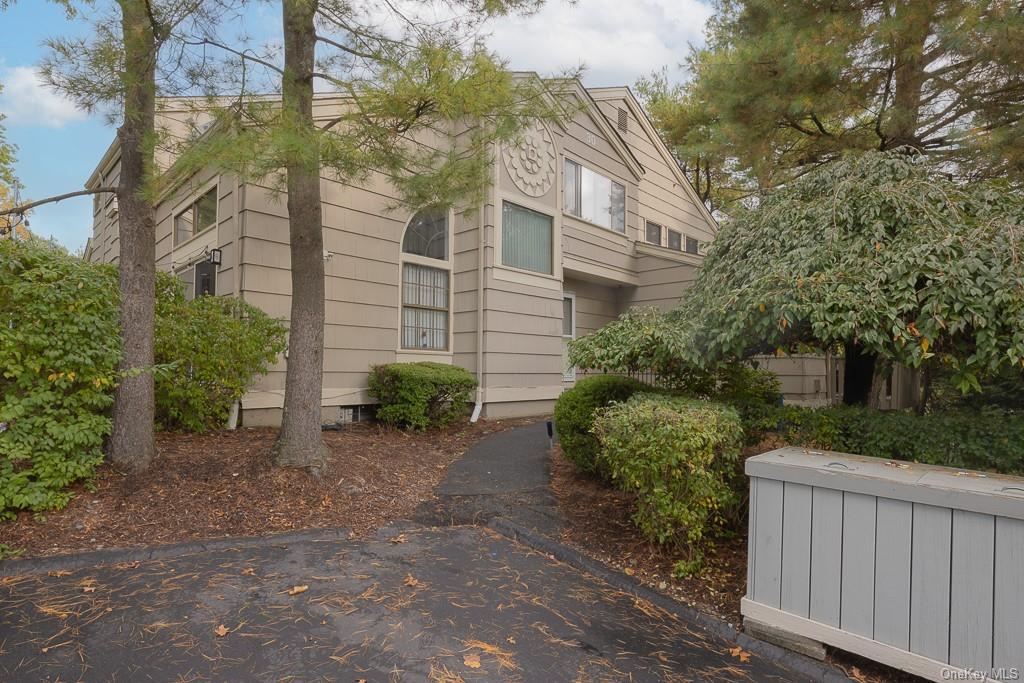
427 234
675 240
201 215
206 279
691 245
653 233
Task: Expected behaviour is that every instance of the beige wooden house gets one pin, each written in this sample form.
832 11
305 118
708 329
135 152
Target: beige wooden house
583 221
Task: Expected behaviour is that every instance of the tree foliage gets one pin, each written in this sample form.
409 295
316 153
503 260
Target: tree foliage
880 249
782 87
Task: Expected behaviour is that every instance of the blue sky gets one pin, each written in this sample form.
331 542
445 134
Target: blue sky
59 145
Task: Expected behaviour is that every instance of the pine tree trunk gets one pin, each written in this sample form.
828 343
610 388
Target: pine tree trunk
913 17
300 443
858 374
132 443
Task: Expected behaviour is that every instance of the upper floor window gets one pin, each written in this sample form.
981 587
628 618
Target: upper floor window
595 198
526 239
426 290
653 233
201 215
427 234
692 247
675 240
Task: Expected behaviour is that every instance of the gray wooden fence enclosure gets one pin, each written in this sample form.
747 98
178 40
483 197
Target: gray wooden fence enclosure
916 566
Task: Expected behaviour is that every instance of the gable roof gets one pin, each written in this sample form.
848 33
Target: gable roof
626 95
591 108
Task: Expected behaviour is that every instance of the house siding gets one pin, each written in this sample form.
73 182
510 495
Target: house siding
521 355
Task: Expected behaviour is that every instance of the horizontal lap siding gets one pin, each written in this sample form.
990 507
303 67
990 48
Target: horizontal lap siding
661 198
596 305
361 279
663 283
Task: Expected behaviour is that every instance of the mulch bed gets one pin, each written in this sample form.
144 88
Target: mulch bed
598 524
224 484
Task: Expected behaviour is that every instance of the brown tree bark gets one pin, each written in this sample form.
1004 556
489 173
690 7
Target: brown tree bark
132 443
300 443
915 16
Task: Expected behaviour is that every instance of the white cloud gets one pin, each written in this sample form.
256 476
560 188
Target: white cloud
26 100
617 40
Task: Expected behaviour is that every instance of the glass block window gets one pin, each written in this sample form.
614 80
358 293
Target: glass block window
675 240
526 239
427 234
593 197
653 233
691 245
201 215
424 307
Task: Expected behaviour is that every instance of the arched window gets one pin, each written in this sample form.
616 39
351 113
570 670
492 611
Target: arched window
426 299
427 234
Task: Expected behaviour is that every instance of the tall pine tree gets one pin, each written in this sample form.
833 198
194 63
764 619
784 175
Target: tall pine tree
784 87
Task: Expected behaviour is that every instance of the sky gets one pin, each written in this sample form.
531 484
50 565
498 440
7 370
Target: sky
617 41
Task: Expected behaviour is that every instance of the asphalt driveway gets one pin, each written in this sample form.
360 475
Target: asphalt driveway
419 604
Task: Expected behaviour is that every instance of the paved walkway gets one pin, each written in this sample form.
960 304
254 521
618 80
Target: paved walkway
442 604
505 475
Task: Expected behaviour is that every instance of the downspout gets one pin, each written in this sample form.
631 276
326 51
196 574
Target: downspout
479 405
236 407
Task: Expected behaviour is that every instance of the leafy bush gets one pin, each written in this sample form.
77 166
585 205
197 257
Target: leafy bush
679 457
208 350
59 348
990 440
575 411
421 395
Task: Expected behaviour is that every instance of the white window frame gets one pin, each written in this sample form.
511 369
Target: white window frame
439 264
625 196
569 374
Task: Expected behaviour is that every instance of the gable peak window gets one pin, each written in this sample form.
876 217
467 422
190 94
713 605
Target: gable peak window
692 246
198 217
594 197
427 234
675 240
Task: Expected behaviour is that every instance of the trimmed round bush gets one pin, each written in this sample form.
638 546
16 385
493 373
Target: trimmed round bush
421 395
679 457
575 411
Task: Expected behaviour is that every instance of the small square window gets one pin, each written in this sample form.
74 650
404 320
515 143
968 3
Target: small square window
653 233
201 215
691 245
675 240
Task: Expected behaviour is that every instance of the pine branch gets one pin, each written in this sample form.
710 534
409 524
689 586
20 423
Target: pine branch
57 198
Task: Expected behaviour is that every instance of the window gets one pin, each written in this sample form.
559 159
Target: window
425 288
568 334
201 215
427 234
653 233
526 237
424 307
691 245
199 280
206 279
594 198
675 240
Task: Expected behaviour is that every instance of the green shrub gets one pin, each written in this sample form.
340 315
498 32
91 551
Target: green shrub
991 440
421 395
208 350
679 457
575 411
59 348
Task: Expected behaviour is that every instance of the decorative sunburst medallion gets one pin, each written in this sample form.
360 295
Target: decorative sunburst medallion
531 163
